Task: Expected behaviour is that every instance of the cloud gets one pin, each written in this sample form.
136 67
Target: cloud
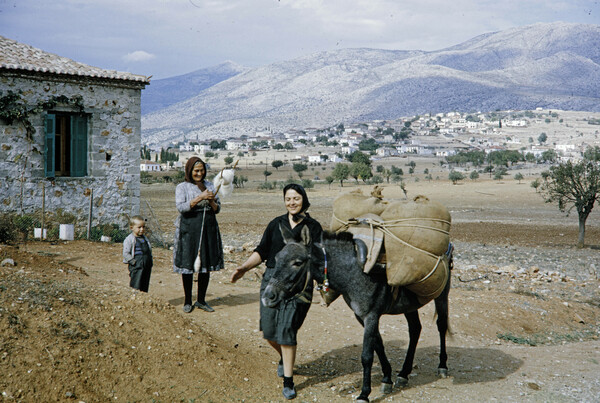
138 56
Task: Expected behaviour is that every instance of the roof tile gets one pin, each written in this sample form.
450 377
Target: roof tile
18 56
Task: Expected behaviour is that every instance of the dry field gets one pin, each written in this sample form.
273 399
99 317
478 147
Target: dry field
524 311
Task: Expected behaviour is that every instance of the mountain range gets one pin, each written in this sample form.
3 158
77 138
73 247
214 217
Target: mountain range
166 92
550 65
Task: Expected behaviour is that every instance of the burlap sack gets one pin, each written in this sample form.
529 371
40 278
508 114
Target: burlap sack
416 260
352 205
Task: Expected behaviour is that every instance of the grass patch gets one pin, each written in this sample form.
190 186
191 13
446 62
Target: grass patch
529 293
537 339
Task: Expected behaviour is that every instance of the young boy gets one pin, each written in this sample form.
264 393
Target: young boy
137 253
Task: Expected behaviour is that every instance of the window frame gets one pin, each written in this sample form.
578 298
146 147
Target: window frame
77 145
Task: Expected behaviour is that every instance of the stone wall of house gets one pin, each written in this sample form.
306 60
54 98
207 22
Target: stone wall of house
114 133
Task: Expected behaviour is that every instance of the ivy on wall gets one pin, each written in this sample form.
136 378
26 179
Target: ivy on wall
13 108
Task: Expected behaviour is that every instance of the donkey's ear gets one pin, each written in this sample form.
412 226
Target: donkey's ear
288 236
305 235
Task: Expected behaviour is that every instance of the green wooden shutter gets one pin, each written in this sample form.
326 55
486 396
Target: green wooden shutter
79 154
50 128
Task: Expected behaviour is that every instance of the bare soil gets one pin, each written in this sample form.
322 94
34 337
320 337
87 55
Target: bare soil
524 312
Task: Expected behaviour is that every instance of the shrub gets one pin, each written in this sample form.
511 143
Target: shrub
307 184
8 232
267 185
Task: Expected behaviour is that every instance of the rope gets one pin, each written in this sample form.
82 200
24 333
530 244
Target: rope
385 225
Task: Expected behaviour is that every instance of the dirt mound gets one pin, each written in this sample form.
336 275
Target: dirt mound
65 337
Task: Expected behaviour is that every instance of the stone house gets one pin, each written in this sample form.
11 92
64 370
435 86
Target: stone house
68 131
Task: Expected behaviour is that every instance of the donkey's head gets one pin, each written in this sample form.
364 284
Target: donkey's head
291 274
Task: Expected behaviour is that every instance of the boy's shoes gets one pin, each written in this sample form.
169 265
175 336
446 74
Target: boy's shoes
280 369
289 393
204 306
187 308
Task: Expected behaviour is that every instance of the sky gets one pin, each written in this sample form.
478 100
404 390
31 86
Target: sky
166 38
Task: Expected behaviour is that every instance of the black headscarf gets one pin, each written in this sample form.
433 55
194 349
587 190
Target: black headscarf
189 167
305 202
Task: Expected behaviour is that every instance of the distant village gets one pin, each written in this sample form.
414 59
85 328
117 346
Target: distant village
430 135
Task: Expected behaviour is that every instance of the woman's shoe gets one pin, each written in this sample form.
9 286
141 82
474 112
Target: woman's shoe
289 393
187 308
204 306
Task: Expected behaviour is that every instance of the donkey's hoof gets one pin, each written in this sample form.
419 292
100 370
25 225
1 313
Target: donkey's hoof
401 382
443 372
386 388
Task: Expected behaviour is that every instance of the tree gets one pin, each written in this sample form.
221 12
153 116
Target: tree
590 154
238 181
386 174
228 160
536 184
267 174
573 186
397 171
455 176
530 157
368 145
329 179
542 138
358 157
216 144
474 175
341 173
276 164
360 170
519 177
299 168
403 187
548 156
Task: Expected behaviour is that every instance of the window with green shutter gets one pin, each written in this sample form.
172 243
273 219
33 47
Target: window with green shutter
66 145
49 145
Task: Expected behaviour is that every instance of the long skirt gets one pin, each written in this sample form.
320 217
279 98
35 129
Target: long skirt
198 231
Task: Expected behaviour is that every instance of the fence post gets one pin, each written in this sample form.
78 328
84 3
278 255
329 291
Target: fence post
89 226
43 207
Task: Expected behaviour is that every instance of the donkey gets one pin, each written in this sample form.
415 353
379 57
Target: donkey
368 295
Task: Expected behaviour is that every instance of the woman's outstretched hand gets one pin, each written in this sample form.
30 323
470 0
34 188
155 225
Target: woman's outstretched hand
238 274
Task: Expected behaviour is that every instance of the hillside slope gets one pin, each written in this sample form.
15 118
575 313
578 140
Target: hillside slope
554 65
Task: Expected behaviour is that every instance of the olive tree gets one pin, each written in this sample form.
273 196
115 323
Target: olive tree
300 168
455 177
519 177
341 173
276 164
573 186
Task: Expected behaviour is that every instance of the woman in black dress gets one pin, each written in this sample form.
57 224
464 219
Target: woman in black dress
280 325
197 247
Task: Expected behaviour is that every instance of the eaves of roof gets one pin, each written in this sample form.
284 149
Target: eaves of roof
20 58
